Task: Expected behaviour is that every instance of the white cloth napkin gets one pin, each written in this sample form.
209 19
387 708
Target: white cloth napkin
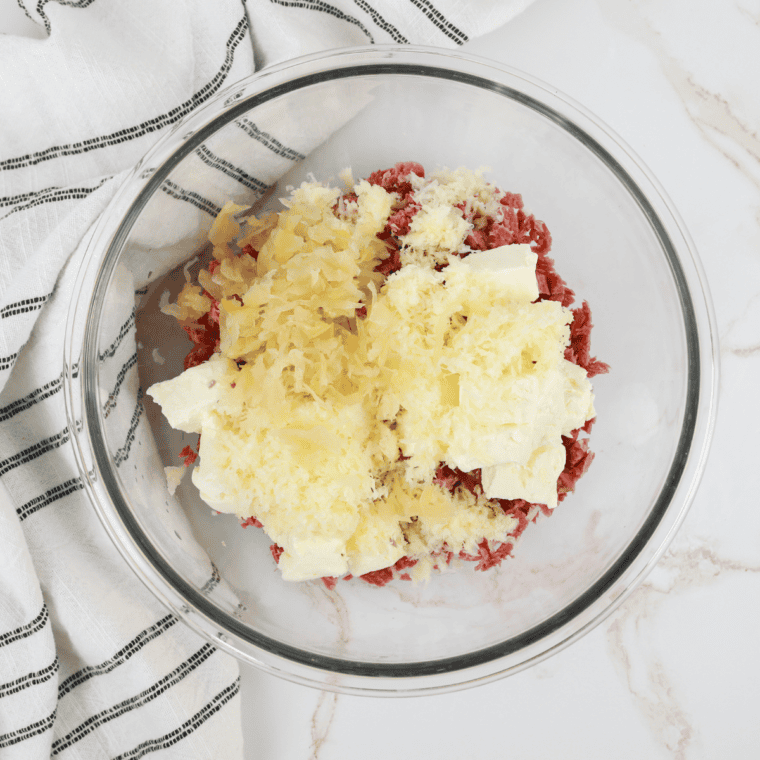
91 664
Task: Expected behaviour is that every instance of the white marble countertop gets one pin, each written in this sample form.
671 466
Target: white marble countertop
673 673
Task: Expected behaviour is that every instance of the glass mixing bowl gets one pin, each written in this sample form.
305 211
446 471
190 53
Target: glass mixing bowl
617 242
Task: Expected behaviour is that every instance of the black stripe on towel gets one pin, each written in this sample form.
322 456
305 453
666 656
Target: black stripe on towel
62 194
28 732
319 5
110 404
187 728
124 654
213 581
6 362
12 200
123 453
438 20
123 332
37 395
49 497
382 23
215 162
26 630
22 307
31 679
175 191
238 34
143 698
268 141
39 449
71 3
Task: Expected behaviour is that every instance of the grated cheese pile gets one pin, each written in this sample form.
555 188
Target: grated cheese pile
333 389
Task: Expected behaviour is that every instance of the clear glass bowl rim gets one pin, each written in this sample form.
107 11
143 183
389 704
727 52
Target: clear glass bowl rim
553 634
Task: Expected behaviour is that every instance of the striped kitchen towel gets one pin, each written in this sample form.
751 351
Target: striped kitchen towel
91 664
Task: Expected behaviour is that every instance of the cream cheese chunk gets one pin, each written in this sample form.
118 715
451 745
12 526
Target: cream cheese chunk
314 559
513 266
188 400
535 481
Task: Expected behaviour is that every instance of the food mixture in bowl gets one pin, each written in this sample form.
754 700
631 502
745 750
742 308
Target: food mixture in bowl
386 378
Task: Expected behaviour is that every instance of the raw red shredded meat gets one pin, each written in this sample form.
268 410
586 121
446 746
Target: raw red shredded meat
396 179
213 313
578 351
515 226
392 263
445 553
400 220
381 577
488 557
578 458
345 202
404 563
204 335
551 287
519 509
251 521
452 477
378 577
188 455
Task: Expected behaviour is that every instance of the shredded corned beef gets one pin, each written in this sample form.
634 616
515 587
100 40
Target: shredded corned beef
251 521
486 556
400 220
392 263
204 335
378 577
396 179
519 509
578 458
511 225
578 351
381 577
405 563
452 477
188 455
443 553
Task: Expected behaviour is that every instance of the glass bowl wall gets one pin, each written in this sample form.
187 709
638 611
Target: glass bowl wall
617 242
